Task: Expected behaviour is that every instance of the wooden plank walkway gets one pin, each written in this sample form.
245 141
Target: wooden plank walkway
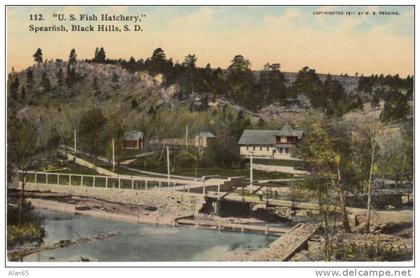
286 246
293 240
232 226
282 249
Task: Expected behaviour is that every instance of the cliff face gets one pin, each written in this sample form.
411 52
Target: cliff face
91 82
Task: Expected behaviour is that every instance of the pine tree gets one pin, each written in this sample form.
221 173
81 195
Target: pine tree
241 82
38 56
134 104
72 57
272 83
100 56
60 79
91 124
29 81
95 57
131 64
71 77
12 123
157 62
22 94
45 82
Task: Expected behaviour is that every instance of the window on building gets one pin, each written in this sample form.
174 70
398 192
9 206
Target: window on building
267 149
286 150
253 148
247 148
260 148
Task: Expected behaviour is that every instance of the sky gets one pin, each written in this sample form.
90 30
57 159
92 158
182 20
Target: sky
293 36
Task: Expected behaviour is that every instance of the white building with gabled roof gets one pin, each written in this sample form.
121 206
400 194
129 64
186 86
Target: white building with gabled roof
203 139
273 144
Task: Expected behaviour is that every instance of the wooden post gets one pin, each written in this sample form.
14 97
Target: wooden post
113 155
132 183
251 174
46 178
81 180
146 185
75 143
186 136
58 179
106 182
168 165
372 156
36 179
70 180
204 186
218 191
188 188
119 183
94 181
160 185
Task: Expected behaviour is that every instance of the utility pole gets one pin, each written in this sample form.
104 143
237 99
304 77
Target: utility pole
186 136
113 155
75 142
169 169
372 156
251 176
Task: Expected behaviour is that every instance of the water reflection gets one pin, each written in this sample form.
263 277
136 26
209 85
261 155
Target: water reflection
138 242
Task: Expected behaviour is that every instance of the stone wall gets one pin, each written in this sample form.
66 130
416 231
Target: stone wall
167 201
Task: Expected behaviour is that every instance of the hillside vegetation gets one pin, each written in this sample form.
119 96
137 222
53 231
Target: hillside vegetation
102 98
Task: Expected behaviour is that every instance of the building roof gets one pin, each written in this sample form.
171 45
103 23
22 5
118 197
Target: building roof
207 134
133 135
267 137
287 130
260 137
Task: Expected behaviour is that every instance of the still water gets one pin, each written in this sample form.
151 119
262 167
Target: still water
138 242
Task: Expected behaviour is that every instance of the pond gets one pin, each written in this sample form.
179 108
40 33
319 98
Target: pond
138 242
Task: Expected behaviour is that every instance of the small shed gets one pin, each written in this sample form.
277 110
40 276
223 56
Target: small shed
203 139
133 140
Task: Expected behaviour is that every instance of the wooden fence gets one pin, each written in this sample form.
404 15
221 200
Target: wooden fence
100 181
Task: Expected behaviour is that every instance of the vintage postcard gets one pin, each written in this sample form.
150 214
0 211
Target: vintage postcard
230 135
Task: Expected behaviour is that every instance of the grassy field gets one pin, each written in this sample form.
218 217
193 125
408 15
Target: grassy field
69 168
190 171
215 171
159 166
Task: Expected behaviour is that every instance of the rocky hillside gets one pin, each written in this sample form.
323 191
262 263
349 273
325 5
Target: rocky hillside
113 84
107 84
